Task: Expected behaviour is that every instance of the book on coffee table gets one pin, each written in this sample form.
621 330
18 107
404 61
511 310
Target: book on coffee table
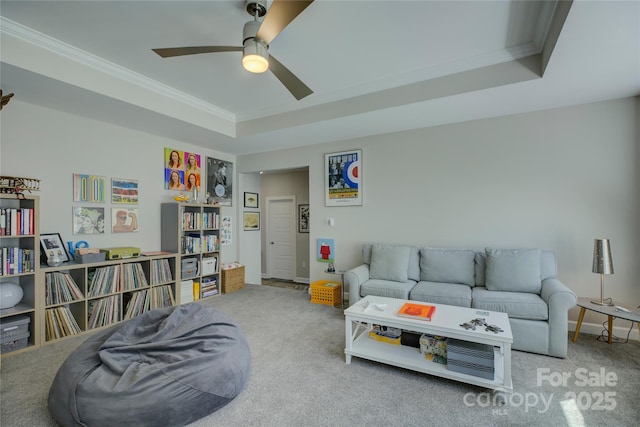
417 311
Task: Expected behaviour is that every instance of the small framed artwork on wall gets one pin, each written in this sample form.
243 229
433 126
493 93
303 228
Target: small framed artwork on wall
250 200
251 221
303 218
124 220
124 191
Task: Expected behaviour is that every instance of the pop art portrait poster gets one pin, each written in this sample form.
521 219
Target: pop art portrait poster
220 181
343 178
174 169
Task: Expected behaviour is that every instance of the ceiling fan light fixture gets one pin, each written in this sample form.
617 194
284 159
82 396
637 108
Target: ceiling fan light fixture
255 57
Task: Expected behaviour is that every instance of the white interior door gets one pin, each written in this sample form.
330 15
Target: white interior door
281 229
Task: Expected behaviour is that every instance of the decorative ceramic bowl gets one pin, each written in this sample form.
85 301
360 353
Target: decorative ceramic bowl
10 294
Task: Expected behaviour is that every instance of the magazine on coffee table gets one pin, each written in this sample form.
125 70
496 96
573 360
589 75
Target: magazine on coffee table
417 311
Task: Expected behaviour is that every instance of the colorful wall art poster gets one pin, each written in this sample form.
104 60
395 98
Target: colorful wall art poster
343 178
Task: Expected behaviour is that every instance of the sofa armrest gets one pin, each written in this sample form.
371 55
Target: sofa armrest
353 279
559 299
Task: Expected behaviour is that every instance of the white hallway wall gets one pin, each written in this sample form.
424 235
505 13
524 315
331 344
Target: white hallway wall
553 179
52 146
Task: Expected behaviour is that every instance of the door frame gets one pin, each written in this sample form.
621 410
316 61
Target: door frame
268 254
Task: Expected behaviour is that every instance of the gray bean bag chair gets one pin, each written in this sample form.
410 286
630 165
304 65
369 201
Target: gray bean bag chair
166 367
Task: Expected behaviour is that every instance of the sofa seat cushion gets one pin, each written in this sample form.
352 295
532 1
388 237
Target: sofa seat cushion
387 288
514 270
442 293
389 262
518 305
447 265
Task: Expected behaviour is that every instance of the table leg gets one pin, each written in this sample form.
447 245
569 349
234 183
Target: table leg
610 329
348 336
579 324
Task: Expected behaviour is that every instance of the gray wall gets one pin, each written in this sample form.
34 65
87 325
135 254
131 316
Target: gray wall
553 179
52 146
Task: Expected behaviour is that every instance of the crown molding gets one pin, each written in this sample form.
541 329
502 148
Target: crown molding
40 40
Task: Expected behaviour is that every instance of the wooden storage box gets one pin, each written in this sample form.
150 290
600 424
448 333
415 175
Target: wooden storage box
232 279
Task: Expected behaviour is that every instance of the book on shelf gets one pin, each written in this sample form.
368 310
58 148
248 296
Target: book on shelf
417 311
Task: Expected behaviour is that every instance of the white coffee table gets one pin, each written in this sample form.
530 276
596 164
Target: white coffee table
446 322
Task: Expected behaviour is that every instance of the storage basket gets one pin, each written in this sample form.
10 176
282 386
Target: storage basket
13 343
14 326
325 292
232 279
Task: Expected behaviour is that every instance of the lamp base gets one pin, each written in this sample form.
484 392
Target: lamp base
603 302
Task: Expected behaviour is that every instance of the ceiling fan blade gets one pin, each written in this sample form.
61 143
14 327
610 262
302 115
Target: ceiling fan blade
279 15
293 84
194 50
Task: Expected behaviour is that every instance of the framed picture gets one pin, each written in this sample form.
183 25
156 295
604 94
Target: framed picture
303 218
51 244
250 200
88 220
220 181
88 188
124 191
124 220
251 221
343 178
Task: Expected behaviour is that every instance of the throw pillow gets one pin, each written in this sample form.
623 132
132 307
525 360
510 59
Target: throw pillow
447 265
513 270
389 262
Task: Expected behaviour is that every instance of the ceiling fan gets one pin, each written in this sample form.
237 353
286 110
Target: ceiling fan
257 35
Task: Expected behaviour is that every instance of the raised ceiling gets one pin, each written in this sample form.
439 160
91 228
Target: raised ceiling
374 66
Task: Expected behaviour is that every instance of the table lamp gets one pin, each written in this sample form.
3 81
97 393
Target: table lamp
602 264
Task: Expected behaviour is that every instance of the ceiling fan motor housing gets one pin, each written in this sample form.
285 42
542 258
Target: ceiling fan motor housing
255 57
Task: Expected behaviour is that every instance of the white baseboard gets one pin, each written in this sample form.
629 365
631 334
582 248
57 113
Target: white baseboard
618 331
302 280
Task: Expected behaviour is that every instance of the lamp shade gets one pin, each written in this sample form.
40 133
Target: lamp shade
602 261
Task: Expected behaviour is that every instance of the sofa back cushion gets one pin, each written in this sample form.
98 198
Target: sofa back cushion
447 265
389 262
548 266
513 270
413 271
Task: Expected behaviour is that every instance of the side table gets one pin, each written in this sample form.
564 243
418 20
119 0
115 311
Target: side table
609 310
341 274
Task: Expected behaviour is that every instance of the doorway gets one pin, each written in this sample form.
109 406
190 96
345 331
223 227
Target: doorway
280 234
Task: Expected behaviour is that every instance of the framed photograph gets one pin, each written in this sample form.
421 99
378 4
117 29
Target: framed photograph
250 200
50 245
88 220
220 181
124 220
251 221
88 188
343 178
124 191
303 218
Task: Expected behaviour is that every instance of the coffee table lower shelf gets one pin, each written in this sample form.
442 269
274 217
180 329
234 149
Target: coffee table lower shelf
411 358
374 310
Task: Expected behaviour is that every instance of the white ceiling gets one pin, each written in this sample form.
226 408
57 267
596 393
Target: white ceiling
374 66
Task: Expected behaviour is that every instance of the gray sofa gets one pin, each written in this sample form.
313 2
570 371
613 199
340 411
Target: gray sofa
519 282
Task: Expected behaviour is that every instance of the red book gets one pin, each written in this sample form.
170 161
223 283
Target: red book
417 311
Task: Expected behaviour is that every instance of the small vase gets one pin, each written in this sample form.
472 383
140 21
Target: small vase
10 294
